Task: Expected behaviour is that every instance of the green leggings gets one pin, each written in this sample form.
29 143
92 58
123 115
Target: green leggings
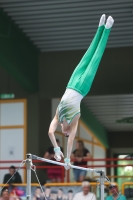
83 75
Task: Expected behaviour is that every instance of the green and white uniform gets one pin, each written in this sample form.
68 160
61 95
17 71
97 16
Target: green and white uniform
83 75
69 105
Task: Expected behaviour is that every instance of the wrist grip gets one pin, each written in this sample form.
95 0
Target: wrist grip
67 160
57 149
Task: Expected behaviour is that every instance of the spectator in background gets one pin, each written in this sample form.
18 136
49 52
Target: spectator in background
5 194
85 194
47 192
38 194
115 193
15 179
54 174
53 195
79 154
70 195
61 195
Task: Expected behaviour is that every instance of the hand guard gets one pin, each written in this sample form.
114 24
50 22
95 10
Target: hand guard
67 163
58 154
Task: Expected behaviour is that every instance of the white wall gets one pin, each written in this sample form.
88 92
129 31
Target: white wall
12 133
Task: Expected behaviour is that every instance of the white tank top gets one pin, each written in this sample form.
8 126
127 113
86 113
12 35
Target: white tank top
69 105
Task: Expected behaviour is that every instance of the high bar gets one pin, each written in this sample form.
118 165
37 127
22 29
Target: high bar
34 157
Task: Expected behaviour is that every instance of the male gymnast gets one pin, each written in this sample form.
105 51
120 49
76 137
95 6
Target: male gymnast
68 110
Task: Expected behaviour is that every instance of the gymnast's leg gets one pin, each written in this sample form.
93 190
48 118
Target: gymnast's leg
81 67
88 76
82 84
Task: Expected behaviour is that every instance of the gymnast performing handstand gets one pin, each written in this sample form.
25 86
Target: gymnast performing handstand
68 110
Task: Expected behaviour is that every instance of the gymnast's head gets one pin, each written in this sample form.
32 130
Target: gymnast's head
65 128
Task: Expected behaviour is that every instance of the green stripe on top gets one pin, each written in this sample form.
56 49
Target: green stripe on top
67 110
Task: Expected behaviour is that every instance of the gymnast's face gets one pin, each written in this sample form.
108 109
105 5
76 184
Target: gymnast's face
65 129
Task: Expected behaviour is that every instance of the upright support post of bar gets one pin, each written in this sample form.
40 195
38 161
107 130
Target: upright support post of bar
28 167
102 179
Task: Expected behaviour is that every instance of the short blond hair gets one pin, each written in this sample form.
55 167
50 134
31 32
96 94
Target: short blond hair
85 183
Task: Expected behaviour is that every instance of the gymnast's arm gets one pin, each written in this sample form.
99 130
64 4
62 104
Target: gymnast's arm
70 144
52 129
71 138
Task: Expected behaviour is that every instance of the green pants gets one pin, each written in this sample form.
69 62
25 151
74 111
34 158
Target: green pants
83 75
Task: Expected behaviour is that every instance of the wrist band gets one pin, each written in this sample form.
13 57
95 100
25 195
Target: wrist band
67 160
57 149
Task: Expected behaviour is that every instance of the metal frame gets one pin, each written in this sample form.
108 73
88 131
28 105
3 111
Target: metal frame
30 157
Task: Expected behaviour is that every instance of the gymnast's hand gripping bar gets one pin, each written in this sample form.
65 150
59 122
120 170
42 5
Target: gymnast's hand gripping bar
34 157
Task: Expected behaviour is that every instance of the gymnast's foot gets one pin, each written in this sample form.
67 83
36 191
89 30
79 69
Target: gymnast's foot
102 20
109 22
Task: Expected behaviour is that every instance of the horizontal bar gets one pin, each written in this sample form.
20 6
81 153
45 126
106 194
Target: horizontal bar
95 159
63 164
101 166
81 168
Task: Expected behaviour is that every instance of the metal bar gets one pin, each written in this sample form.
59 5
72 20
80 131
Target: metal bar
63 164
85 159
46 167
90 159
